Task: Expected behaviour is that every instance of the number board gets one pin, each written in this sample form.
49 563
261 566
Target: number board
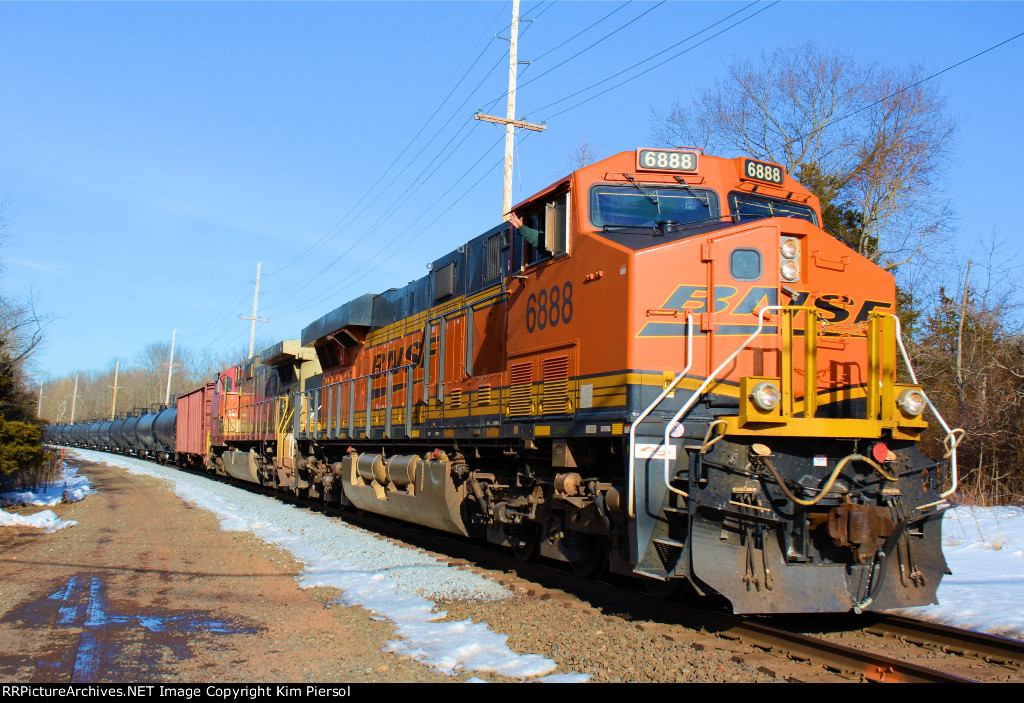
763 171
665 160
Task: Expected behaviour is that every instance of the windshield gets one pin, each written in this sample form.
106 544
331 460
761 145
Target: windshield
746 207
629 206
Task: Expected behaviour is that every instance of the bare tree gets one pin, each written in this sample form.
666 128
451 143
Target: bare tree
5 207
969 354
871 142
583 153
21 334
21 330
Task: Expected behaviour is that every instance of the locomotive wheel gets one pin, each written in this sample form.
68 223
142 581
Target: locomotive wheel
525 543
592 566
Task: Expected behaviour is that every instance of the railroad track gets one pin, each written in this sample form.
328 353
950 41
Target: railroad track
791 654
825 648
971 656
977 656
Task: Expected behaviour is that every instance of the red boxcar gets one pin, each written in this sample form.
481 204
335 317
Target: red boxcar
193 436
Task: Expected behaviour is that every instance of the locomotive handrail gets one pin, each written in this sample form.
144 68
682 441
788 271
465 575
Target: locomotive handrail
369 377
636 423
408 368
253 418
707 381
950 441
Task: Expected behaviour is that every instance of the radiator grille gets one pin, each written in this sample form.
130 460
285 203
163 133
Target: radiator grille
521 392
556 386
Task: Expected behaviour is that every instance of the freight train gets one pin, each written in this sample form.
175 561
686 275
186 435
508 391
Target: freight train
668 369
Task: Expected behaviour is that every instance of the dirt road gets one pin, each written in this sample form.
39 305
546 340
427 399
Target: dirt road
147 588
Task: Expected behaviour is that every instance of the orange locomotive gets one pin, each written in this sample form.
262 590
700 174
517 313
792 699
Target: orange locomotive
623 381
665 368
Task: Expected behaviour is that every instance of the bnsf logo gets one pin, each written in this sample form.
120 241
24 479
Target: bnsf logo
394 358
835 308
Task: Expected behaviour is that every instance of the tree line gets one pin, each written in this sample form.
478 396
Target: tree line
21 333
141 383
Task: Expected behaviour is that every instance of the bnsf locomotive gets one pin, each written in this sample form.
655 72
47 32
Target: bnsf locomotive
668 370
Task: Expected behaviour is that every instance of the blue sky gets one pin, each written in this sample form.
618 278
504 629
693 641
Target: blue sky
153 153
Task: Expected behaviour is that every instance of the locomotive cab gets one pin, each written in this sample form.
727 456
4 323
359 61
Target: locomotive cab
759 341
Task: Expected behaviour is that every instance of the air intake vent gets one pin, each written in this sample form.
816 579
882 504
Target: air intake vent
455 399
492 257
483 396
556 386
521 391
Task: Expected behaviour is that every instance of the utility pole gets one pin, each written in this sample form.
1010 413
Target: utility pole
39 410
113 403
74 400
255 299
170 369
510 120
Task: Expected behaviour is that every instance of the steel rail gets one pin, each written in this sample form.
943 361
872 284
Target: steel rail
991 648
870 666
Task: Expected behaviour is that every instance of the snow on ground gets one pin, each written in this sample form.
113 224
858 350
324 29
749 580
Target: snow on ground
46 519
392 581
68 486
984 548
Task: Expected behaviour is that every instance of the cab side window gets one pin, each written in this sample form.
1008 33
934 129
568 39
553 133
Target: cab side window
545 230
535 239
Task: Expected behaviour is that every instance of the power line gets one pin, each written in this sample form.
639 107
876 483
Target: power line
655 55
327 236
928 78
711 26
859 110
218 317
577 34
419 231
413 187
331 233
587 48
396 204
456 113
387 246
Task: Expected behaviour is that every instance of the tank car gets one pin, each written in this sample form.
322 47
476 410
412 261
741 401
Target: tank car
104 435
148 440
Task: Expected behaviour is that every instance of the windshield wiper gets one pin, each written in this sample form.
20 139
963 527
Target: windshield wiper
738 215
689 189
653 197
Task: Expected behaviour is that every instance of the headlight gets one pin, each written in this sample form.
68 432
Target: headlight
911 402
765 395
789 248
790 270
